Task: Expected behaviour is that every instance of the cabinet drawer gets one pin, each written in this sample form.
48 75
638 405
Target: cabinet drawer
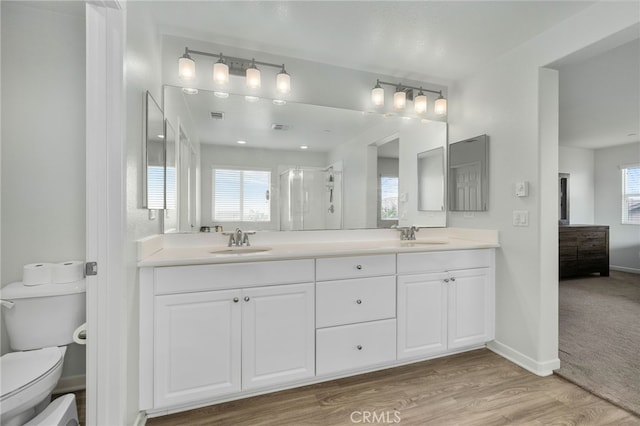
412 263
185 279
355 300
355 267
355 346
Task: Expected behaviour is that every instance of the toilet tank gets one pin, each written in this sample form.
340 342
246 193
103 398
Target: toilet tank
43 315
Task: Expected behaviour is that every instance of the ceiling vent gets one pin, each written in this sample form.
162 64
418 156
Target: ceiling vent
282 127
217 115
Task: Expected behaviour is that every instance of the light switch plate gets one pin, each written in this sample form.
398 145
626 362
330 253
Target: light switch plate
522 189
520 218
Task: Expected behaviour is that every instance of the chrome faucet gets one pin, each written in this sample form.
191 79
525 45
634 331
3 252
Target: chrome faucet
408 233
238 238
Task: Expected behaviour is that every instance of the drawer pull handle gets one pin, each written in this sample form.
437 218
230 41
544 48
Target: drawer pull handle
359 347
453 278
246 298
236 300
358 266
446 280
359 302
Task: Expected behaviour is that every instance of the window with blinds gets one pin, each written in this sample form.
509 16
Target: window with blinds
631 195
241 195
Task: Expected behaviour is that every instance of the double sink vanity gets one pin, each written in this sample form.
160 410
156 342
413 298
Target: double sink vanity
219 323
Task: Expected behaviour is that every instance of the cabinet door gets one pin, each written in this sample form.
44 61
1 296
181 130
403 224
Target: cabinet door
196 346
422 315
278 331
470 307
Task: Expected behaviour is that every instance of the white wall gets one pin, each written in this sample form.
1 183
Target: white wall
509 100
275 160
43 150
579 163
142 62
624 240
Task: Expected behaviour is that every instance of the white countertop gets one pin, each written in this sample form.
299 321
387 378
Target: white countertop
179 255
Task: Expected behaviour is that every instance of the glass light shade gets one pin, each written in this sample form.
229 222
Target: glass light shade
220 73
253 78
377 96
420 103
440 106
283 82
186 68
399 99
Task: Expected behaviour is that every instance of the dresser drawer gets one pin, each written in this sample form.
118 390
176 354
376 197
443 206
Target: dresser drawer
355 267
414 263
356 300
355 346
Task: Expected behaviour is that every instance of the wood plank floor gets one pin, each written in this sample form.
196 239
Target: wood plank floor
473 388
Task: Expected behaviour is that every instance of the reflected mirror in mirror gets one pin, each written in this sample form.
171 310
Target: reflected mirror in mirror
293 166
431 180
154 145
170 223
469 174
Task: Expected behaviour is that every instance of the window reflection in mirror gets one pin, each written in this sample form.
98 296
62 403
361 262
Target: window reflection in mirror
431 180
155 156
469 174
388 183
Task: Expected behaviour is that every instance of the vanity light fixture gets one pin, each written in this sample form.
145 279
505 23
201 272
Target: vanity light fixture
404 92
229 65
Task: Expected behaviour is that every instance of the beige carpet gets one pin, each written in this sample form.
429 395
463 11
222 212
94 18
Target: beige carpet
600 336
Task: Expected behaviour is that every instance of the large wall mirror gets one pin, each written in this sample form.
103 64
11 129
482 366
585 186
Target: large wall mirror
267 165
469 174
154 146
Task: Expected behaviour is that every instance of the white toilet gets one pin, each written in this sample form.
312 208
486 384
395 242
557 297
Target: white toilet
40 320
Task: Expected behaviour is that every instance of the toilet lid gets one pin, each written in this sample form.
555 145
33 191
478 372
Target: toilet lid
21 368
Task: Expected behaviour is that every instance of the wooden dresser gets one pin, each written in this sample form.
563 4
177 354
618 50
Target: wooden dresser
584 249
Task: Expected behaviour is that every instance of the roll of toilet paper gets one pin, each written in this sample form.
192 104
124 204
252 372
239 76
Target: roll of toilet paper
67 272
37 273
80 335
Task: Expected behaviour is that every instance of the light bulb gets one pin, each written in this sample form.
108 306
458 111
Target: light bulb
186 68
253 76
420 103
440 107
220 72
283 82
377 95
399 99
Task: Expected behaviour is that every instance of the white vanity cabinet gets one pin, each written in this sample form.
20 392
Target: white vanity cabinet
445 301
210 343
356 312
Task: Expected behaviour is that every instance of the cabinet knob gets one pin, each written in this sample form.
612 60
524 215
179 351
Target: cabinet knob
359 302
358 266
246 298
446 280
359 347
453 278
236 300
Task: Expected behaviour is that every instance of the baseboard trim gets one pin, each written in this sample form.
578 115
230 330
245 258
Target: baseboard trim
141 419
538 368
71 384
624 269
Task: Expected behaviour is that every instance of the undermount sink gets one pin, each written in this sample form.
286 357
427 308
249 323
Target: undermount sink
240 250
413 243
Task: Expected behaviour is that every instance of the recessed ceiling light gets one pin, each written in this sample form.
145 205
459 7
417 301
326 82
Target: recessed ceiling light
221 95
160 136
190 91
251 98
303 147
279 102
241 142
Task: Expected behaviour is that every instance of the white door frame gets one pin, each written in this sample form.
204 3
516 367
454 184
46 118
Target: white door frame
105 213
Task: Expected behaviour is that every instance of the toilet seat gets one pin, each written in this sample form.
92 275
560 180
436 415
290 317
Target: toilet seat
21 370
